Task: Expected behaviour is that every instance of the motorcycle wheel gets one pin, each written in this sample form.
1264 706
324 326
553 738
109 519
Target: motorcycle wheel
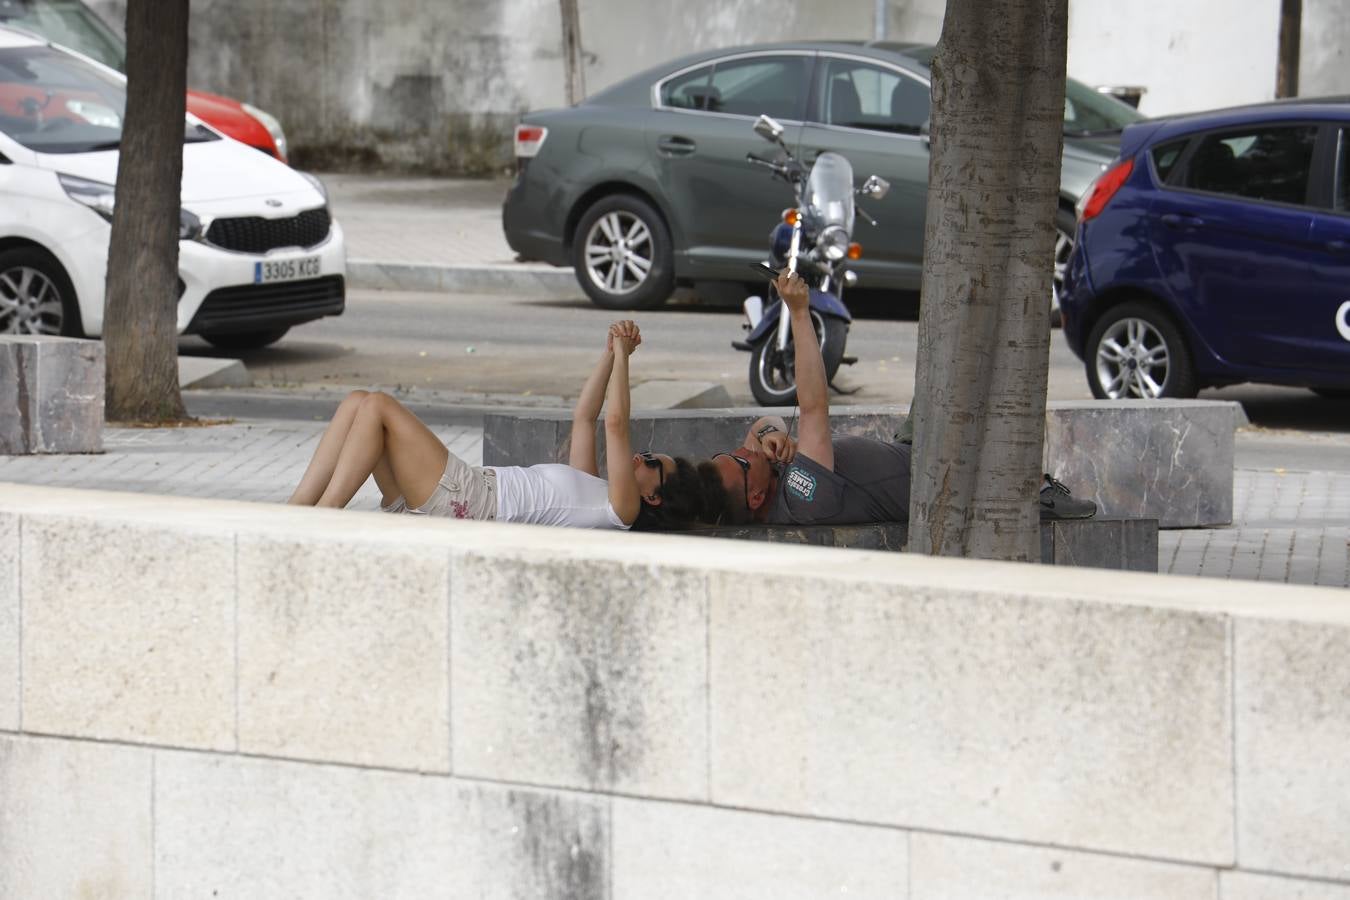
773 380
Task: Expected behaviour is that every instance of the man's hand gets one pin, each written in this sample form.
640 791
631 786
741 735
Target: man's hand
623 336
794 291
779 447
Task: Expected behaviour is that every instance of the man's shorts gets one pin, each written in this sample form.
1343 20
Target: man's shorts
463 492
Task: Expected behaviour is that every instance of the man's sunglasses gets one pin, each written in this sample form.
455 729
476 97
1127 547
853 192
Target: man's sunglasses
650 461
745 473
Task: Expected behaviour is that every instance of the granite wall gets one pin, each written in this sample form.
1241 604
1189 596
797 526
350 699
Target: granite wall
208 698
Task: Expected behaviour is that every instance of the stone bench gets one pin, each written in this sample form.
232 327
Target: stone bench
1130 544
51 395
1169 460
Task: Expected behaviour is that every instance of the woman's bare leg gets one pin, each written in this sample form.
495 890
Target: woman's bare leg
385 429
321 464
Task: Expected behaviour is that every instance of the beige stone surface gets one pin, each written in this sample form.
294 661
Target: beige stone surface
75 820
580 674
1085 724
343 651
128 630
1244 886
233 827
664 851
9 622
946 868
1293 748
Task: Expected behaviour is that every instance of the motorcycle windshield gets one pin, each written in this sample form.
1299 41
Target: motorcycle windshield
829 193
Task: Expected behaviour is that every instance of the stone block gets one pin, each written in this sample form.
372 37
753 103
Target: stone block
877 536
948 867
974 711
1130 544
128 630
1244 886
1293 730
343 651
579 674
54 386
75 820
9 622
1170 460
665 851
238 827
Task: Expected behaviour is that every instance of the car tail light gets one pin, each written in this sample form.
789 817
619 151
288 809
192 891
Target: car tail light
1100 192
529 138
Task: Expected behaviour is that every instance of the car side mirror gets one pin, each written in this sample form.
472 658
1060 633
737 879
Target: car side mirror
926 131
769 129
875 187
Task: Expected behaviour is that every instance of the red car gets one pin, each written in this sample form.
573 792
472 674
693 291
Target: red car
76 26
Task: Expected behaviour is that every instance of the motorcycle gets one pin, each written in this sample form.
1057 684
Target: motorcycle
815 240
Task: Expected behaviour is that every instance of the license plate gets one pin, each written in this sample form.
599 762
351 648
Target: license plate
285 269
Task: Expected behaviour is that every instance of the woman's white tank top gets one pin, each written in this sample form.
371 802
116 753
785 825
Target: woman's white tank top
554 494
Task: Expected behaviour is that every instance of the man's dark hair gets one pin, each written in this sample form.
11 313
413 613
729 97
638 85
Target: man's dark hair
691 495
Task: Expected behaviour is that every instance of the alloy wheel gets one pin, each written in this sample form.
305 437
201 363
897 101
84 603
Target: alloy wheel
29 302
1063 247
1132 360
619 252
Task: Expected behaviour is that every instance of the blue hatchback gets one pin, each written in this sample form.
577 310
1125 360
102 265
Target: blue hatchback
1215 250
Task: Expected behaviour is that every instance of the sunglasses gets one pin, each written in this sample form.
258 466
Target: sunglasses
650 461
745 472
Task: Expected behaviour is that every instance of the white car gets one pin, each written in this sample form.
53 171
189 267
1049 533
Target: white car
258 252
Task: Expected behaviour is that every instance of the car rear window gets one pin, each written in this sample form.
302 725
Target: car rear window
751 86
1271 162
1165 157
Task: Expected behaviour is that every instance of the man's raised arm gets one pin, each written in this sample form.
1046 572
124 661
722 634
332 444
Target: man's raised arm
813 436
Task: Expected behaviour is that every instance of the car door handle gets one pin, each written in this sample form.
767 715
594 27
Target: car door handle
674 145
1182 221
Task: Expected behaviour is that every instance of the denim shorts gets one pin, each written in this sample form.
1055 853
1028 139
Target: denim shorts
463 492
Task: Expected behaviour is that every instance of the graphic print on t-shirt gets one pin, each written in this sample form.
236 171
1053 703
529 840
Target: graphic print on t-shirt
801 483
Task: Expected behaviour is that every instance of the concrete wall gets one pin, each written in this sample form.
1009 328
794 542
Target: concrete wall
204 698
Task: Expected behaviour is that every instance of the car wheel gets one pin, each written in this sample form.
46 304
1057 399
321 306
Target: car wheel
1136 352
622 254
773 377
245 340
36 296
1065 228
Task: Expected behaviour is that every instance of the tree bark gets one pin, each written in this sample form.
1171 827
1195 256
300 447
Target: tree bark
140 332
1291 26
984 331
573 59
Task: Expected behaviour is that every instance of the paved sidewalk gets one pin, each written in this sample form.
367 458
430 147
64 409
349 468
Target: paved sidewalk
1289 526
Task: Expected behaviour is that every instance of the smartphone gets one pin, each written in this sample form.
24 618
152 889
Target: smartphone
766 270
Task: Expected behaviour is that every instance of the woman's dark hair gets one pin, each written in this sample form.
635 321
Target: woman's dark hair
691 495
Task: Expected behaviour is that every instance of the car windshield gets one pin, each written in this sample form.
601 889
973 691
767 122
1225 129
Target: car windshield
69 23
1086 112
52 102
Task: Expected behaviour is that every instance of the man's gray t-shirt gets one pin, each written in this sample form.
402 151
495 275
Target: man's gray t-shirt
870 483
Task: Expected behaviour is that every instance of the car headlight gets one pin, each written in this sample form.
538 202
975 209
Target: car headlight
318 184
101 197
273 127
833 242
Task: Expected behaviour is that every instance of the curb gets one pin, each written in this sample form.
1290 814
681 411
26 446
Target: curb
529 279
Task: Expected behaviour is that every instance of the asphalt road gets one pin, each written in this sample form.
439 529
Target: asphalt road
481 350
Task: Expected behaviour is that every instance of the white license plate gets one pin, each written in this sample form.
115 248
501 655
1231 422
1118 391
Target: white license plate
285 269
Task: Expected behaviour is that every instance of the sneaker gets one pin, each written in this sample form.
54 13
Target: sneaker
1058 503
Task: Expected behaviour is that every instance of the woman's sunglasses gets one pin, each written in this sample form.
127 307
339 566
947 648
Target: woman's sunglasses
650 461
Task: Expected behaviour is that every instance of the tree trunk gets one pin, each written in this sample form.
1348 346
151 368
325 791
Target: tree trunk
1291 25
984 331
573 60
140 331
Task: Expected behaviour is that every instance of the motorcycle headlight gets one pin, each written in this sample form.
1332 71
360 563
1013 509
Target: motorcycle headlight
101 198
833 242
273 127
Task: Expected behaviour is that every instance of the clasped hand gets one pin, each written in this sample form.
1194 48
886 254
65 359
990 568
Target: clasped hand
623 335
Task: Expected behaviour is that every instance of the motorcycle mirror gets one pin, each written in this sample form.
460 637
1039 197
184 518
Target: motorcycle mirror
768 129
875 187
